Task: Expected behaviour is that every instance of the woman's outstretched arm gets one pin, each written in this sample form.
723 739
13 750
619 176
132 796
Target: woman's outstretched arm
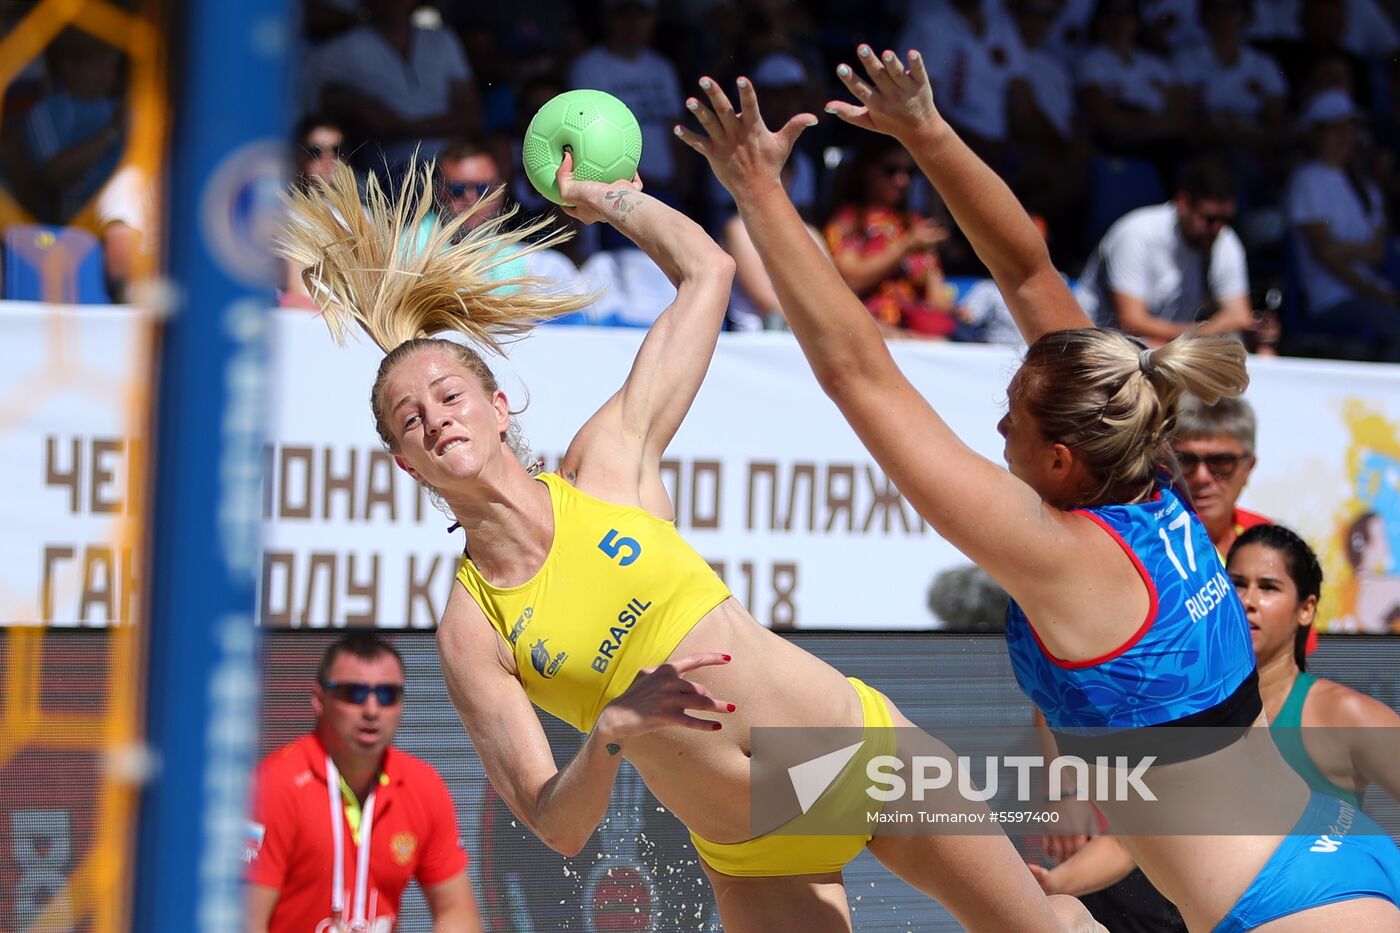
617 454
562 806
984 511
898 102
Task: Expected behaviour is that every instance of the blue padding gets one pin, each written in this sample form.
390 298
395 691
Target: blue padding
61 265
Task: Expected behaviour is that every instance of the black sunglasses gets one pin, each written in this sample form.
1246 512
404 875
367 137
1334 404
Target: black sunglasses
315 152
459 189
1221 466
386 694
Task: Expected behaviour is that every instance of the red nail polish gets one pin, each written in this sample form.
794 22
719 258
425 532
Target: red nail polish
727 657
731 707
717 727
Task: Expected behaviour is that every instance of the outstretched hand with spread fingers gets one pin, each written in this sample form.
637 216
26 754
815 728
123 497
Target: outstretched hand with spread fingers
741 150
896 100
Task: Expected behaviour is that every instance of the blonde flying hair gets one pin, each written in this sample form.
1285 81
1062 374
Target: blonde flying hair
379 264
1115 403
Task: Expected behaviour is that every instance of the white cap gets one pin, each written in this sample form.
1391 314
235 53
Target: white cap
779 69
1329 106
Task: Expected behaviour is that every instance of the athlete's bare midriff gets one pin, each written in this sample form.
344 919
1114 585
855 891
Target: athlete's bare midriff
1244 788
703 777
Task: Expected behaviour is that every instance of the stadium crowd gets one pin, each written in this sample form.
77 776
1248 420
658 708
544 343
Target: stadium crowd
1226 163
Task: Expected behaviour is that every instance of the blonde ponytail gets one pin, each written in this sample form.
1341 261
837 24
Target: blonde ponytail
1114 403
371 264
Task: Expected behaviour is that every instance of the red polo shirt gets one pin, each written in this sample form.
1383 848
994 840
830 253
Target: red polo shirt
1244 520
413 834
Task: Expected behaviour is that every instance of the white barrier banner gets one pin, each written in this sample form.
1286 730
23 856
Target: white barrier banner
769 482
69 405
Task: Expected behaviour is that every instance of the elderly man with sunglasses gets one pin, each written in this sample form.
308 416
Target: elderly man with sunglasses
1214 444
342 819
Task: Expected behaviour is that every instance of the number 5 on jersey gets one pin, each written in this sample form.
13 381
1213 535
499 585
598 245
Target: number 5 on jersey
612 546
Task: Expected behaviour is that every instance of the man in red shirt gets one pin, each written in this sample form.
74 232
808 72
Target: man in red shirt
342 820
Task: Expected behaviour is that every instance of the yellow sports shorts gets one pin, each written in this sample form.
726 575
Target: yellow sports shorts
775 854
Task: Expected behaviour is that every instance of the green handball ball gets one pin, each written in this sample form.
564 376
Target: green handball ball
599 130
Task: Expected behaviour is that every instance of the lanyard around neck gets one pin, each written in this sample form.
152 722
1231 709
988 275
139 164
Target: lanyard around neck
338 845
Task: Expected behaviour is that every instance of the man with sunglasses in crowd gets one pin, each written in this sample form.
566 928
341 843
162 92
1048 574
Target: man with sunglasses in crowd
467 174
1162 269
342 819
1214 444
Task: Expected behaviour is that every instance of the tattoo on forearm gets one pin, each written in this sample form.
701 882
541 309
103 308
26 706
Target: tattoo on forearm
614 748
620 202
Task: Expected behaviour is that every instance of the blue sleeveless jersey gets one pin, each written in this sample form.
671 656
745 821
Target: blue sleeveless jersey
1192 652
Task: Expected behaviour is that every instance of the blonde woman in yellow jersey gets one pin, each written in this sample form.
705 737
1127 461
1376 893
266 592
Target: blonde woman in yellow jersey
580 597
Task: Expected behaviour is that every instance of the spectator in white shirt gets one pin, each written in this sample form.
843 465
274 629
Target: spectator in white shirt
647 83
973 55
403 86
1237 94
1129 96
1338 217
1163 269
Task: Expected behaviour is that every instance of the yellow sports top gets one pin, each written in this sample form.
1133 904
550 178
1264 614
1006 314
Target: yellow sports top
617 592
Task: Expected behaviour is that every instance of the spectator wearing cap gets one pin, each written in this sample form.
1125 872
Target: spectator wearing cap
784 86
973 55
1237 94
1163 269
626 67
1338 218
406 87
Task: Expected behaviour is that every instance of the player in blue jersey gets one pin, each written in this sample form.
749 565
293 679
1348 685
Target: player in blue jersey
1123 616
